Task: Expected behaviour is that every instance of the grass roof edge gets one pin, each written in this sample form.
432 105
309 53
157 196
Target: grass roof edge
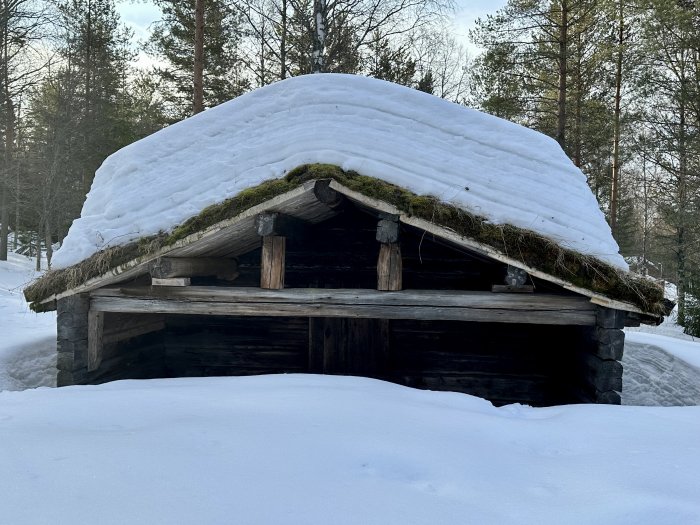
532 249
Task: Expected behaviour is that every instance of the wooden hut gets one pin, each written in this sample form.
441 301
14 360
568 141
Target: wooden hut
330 271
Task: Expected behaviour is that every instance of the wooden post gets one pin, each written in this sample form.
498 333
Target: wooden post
272 262
72 339
389 263
95 328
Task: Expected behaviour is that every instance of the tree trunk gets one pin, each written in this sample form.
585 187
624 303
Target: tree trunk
7 169
682 206
49 243
561 92
283 42
198 74
319 43
38 249
616 124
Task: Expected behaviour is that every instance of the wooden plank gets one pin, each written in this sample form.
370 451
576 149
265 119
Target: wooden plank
507 288
173 281
95 326
169 267
272 262
360 296
389 268
414 304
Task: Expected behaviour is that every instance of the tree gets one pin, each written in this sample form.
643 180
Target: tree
22 24
671 88
173 41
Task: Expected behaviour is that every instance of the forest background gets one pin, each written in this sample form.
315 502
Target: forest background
615 82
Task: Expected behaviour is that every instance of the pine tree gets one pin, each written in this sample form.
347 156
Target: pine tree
172 41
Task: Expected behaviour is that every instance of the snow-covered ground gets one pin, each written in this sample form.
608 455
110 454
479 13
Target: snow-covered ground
305 449
27 340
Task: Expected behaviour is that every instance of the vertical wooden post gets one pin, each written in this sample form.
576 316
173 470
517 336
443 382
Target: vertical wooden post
72 339
272 263
95 327
389 262
389 268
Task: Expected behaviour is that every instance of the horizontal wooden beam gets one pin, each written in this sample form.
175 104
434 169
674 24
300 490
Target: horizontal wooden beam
368 304
172 267
278 224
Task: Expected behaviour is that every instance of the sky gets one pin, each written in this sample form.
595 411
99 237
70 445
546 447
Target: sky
140 14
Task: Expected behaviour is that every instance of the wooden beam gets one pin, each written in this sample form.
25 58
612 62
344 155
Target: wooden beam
326 195
173 281
278 224
95 328
272 262
389 268
367 304
172 267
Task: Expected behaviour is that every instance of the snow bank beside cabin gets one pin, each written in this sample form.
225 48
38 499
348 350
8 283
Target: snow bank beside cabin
427 145
27 340
341 450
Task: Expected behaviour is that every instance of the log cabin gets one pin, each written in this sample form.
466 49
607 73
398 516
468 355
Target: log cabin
320 252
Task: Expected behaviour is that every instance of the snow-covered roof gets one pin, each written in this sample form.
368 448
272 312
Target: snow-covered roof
488 166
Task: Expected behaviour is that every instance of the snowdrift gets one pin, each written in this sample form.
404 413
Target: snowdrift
329 449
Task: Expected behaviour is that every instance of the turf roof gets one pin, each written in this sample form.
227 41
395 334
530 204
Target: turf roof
527 246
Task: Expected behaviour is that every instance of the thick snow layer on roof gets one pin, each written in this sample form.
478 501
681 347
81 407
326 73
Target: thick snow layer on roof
491 167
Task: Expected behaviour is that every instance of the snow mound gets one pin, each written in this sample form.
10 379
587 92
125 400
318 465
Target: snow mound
491 167
341 450
27 340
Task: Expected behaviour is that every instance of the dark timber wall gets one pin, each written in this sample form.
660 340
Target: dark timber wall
508 362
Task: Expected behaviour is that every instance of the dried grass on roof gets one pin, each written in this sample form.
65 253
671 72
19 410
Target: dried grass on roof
529 247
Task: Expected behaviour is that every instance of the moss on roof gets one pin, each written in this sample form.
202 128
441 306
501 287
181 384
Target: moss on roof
527 246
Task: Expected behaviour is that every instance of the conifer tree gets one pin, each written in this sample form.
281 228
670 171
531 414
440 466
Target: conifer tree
173 40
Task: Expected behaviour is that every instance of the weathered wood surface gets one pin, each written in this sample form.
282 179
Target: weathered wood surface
507 288
171 281
308 302
389 268
199 346
279 224
95 328
348 346
272 264
120 327
170 267
72 338
328 196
